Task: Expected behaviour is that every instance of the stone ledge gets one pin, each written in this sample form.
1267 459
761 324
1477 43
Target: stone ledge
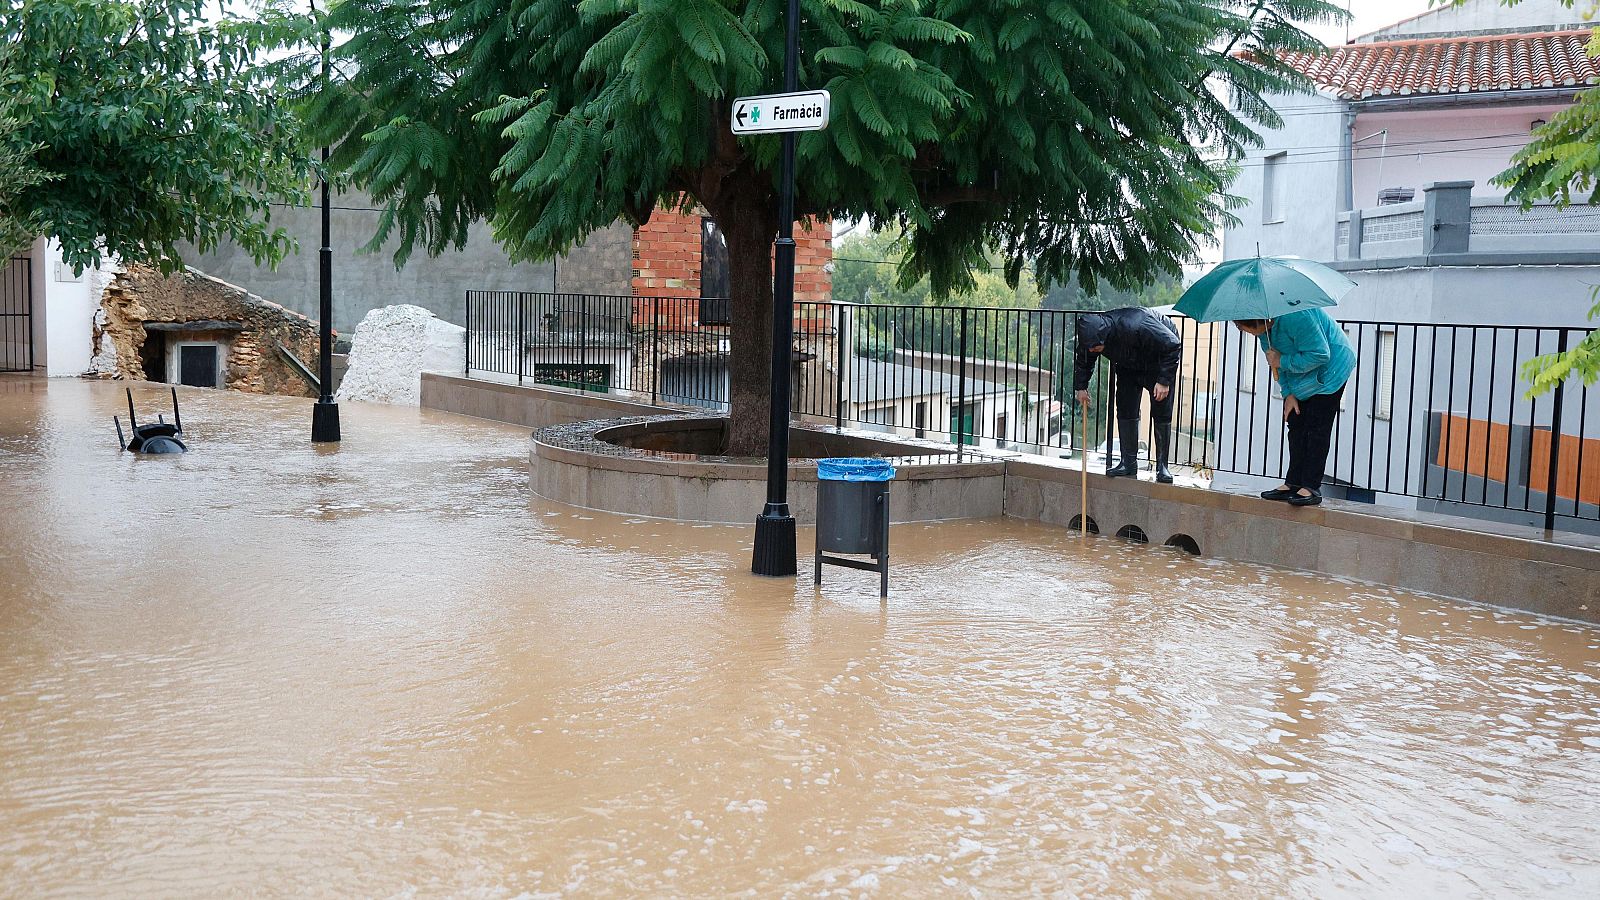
575 464
1437 530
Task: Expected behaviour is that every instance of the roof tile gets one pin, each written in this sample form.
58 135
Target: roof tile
1453 65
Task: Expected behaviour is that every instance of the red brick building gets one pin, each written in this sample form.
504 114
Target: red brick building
676 255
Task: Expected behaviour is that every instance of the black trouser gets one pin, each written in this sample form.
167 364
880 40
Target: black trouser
1310 436
1130 386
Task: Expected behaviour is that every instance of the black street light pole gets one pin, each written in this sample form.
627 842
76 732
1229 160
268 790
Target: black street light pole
775 537
325 413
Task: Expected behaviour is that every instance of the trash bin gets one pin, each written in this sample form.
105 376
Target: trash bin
852 496
853 515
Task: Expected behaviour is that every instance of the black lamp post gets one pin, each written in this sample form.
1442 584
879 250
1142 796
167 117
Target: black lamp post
325 413
775 530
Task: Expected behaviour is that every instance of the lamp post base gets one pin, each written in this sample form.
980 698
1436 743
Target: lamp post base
775 543
325 422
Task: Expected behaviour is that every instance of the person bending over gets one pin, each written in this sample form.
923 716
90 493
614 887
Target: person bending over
1311 359
1144 350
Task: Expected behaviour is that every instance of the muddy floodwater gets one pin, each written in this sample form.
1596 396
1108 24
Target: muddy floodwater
384 670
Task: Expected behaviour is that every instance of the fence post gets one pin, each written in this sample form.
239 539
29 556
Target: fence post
838 365
961 385
522 333
1555 444
466 368
655 350
584 317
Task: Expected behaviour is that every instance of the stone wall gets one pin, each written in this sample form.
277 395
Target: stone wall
248 326
365 281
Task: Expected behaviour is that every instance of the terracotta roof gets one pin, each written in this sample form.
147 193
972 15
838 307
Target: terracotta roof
1453 65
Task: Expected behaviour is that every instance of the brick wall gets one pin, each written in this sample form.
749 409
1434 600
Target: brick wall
666 263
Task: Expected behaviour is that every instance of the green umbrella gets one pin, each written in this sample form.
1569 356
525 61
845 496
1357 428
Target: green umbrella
1262 288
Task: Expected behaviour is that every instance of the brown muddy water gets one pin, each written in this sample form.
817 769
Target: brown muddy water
384 670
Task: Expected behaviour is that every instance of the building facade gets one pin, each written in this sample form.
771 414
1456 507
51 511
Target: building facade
1386 173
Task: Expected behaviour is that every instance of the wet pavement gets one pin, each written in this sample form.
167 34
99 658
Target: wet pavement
384 670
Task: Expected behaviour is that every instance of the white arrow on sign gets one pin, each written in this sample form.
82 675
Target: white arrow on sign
800 111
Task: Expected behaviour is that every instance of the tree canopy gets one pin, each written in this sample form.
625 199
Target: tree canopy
1078 137
148 125
18 224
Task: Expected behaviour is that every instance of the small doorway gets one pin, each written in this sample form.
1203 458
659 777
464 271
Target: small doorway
197 364
961 421
16 315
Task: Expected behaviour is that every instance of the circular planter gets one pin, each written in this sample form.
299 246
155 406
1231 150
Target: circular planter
650 466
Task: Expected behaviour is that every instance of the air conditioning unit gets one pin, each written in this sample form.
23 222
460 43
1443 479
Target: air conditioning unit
1392 195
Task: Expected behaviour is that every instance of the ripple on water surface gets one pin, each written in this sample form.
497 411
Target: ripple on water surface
267 668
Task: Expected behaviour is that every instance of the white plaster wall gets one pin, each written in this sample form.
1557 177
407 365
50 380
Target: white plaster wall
1470 372
1481 15
1310 137
1440 145
63 335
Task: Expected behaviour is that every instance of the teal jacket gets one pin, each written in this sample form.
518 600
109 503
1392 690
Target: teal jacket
1316 358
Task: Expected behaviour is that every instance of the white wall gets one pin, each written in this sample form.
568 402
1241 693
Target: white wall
1481 15
1310 182
1425 146
63 335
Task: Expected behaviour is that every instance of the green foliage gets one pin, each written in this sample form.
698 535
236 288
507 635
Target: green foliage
1064 135
151 124
1088 139
1544 372
18 224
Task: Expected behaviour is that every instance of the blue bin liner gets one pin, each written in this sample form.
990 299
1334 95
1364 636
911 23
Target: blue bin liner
854 469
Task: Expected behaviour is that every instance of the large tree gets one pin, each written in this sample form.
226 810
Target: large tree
151 124
1081 137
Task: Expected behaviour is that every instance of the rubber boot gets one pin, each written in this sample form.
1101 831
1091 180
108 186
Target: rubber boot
1128 465
1163 447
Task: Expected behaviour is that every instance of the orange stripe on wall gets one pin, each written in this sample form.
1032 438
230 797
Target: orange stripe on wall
1576 453
1474 446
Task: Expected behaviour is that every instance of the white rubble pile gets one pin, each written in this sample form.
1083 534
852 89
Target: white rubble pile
393 346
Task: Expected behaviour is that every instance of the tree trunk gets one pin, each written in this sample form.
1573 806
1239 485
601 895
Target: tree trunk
749 227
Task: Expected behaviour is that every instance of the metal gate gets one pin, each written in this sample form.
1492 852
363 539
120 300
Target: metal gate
16 315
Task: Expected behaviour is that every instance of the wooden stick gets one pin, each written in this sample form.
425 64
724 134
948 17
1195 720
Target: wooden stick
1083 517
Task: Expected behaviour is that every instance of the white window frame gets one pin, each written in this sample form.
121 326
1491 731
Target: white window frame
175 355
1249 365
1272 187
1383 401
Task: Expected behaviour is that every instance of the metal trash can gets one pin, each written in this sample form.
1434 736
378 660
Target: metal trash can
853 514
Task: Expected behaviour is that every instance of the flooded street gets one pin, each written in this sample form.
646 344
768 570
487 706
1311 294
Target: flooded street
385 670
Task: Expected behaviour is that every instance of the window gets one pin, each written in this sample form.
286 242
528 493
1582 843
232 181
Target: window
919 418
1272 188
1249 357
1383 404
884 415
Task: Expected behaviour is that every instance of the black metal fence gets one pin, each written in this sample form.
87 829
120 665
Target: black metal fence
1435 416
16 315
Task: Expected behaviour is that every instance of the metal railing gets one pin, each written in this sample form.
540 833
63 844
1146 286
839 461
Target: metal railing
1434 417
16 315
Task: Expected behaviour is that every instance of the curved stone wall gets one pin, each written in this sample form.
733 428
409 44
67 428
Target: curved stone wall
585 464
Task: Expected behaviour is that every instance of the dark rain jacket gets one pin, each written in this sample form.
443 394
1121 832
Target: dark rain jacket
1141 345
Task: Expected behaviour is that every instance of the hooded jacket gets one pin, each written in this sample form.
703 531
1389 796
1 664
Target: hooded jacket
1141 345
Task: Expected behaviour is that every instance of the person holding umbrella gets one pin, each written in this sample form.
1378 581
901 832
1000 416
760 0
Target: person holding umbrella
1311 360
1144 350
1280 300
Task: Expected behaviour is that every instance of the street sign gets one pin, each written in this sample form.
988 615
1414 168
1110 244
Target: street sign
799 111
